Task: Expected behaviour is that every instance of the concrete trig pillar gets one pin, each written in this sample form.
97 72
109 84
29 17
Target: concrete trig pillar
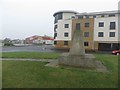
77 47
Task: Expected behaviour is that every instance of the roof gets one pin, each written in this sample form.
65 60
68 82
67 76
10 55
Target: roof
99 13
65 11
47 38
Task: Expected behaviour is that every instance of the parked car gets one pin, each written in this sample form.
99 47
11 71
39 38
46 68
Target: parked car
116 52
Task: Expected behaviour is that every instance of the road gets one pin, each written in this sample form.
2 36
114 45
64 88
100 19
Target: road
32 48
42 48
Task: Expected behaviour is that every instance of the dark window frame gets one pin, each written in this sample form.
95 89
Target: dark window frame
87 17
55 42
102 15
112 25
58 17
112 34
65 43
66 34
111 15
55 35
80 17
66 25
101 24
94 16
100 34
86 34
77 26
55 27
87 24
86 44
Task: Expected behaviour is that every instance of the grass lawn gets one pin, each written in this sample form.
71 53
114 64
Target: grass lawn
0 74
33 55
27 74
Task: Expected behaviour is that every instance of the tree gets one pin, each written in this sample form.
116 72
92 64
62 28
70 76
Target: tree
7 42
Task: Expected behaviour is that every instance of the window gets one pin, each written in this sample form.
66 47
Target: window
58 17
55 35
77 26
94 16
65 42
86 34
112 25
65 34
112 15
80 17
112 34
101 24
73 17
55 28
66 26
87 16
100 34
102 16
55 42
87 24
86 44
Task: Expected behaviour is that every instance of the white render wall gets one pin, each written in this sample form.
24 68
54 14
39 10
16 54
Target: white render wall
61 30
68 15
106 28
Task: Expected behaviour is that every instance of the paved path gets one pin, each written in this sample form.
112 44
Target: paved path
28 59
32 48
51 62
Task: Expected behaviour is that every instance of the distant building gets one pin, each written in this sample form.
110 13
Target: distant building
1 43
30 40
17 41
39 40
47 40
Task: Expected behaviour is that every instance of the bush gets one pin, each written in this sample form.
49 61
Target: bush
8 44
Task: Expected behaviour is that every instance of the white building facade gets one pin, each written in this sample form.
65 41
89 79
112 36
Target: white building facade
63 28
106 33
106 30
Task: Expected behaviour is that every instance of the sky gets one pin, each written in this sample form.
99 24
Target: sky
20 19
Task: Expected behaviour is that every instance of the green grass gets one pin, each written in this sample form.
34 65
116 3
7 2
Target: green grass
26 74
111 61
0 74
33 55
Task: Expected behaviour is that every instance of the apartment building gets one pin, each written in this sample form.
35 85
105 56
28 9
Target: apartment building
63 29
86 24
106 30
100 30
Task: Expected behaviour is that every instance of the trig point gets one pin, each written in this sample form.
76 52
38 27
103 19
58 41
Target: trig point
77 44
77 57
